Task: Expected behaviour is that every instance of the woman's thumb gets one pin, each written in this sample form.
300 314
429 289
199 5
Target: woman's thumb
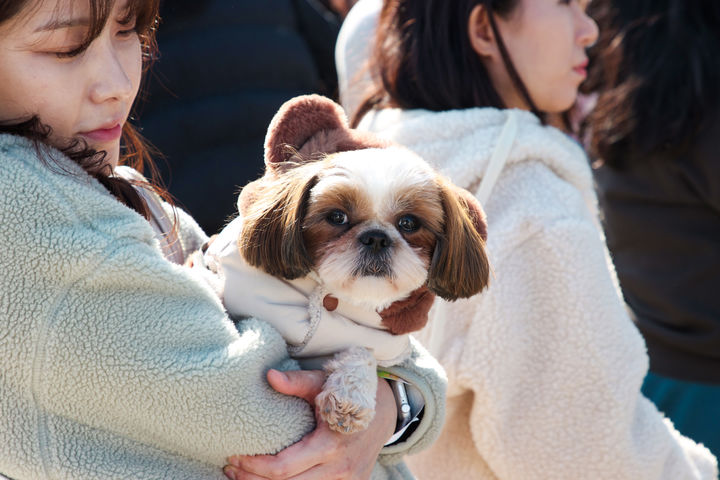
305 384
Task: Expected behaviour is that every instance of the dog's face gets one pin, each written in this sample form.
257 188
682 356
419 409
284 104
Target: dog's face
373 224
372 221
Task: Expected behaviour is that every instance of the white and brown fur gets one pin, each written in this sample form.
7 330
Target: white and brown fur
372 222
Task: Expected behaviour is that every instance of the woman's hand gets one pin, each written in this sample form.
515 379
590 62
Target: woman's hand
322 453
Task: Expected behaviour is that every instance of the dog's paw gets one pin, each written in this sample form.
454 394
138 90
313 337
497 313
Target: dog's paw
344 415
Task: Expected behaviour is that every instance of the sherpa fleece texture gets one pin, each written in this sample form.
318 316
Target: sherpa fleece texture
544 367
117 363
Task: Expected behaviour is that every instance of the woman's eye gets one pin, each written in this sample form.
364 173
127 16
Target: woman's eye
337 217
63 42
127 32
126 26
69 53
408 223
67 49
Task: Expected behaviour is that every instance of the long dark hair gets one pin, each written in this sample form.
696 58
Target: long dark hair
423 57
656 70
137 153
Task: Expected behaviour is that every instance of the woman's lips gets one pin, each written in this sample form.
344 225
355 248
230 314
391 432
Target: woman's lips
581 69
102 135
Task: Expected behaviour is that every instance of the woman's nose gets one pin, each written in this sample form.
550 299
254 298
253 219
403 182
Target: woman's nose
113 81
587 30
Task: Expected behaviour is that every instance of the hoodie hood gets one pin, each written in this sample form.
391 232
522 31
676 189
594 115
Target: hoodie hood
460 143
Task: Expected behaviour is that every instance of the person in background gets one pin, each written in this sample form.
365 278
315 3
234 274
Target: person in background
224 69
353 48
117 362
655 132
544 367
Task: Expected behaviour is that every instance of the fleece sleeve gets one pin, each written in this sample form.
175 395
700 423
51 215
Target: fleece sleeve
426 374
557 384
134 346
116 338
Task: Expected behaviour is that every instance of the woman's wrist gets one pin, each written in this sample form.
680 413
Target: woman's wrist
407 416
385 408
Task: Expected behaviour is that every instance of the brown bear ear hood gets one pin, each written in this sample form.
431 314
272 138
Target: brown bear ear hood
312 125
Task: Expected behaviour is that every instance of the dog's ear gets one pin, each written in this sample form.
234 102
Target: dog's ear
460 267
311 126
272 237
471 205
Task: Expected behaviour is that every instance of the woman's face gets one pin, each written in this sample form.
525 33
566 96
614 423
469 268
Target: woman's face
546 40
87 96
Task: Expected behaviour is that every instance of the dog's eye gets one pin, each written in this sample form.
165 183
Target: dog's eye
408 223
337 217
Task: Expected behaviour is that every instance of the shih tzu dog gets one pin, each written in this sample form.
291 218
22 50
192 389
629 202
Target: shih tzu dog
342 245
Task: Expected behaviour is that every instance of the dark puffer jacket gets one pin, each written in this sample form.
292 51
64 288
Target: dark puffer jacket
225 67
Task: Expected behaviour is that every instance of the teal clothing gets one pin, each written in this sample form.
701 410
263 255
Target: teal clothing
693 407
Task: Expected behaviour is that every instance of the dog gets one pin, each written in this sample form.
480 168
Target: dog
342 246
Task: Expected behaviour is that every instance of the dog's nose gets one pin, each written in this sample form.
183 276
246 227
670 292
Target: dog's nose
375 240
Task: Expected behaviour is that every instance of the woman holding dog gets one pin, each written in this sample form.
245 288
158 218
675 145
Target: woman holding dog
545 367
117 362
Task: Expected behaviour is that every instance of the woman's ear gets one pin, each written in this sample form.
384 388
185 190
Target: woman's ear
480 33
272 237
460 267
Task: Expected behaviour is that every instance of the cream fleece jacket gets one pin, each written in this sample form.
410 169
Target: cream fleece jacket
117 363
544 367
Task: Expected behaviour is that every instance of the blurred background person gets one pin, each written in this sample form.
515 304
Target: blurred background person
656 133
225 68
352 50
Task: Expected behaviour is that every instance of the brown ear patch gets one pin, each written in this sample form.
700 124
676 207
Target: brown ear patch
272 237
474 210
460 267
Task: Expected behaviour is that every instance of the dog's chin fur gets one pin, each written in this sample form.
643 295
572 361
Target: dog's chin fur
338 273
